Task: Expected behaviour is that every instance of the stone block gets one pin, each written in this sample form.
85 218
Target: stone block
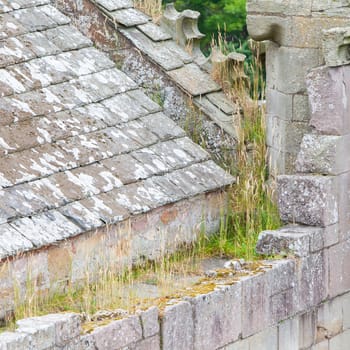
239 345
321 346
324 154
15 341
279 104
329 319
307 329
118 334
256 292
149 322
177 327
296 60
152 343
310 200
345 299
336 46
286 7
313 280
301 108
293 239
285 135
42 333
265 340
217 326
329 100
340 342
339 273
67 326
288 334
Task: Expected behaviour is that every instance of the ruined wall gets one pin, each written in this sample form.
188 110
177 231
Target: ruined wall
293 30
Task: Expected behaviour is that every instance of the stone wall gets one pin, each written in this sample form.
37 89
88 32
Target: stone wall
294 33
282 308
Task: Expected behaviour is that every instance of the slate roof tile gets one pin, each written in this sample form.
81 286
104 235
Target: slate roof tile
81 146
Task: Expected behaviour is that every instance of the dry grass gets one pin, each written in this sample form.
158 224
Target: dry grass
153 8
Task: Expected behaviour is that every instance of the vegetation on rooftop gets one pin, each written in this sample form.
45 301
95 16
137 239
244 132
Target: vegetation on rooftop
250 209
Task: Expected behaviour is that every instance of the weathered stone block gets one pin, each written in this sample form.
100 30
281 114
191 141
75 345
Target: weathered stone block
279 104
313 280
293 239
307 329
152 343
345 299
177 327
329 99
42 333
329 320
149 322
256 304
301 109
310 200
341 340
217 326
15 341
339 273
266 340
336 46
288 334
118 334
324 154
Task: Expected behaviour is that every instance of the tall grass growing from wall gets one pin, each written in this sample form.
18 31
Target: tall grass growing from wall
252 208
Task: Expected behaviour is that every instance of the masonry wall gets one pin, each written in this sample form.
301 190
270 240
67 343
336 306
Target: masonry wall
293 32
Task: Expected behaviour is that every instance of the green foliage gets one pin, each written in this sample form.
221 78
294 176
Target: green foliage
227 15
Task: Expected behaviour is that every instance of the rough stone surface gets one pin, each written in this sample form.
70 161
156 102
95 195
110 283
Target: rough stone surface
118 334
70 126
216 327
310 200
177 327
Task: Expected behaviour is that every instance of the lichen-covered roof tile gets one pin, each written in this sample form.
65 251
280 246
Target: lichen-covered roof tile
67 38
13 50
193 80
9 26
158 52
17 4
46 228
112 5
105 207
130 17
162 126
34 19
154 32
12 241
81 216
128 169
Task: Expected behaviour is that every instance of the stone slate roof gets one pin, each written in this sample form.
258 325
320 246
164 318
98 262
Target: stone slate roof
181 67
80 145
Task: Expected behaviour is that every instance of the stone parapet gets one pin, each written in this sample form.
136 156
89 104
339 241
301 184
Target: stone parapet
284 307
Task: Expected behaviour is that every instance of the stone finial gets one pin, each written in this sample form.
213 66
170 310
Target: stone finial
336 46
183 26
